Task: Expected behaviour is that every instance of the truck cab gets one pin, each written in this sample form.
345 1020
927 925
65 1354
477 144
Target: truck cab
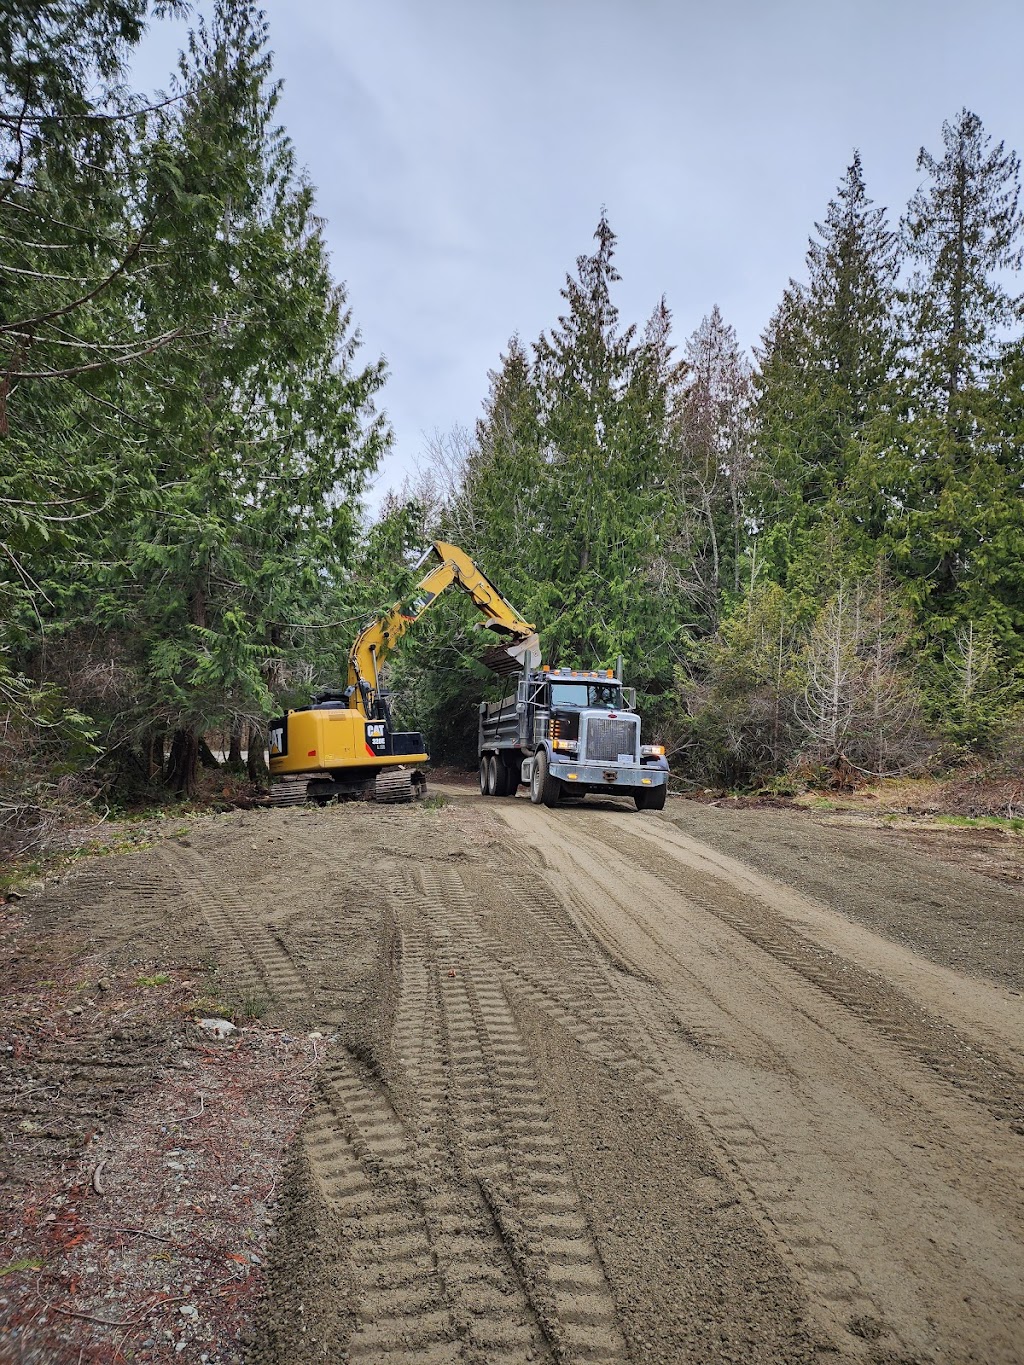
567 732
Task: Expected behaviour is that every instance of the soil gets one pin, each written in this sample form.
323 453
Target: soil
583 1085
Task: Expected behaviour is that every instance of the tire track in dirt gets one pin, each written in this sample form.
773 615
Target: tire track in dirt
986 1078
121 905
360 1156
836 1176
251 951
375 1233
584 1010
477 1106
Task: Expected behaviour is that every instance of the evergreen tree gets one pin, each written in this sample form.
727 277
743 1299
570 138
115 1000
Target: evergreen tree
963 230
74 245
502 495
259 435
602 415
956 534
825 365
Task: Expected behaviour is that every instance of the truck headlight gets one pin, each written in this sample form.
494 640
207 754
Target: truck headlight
652 751
569 745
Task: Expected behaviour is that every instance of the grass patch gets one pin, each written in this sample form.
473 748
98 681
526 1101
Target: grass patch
161 979
20 877
251 1005
1009 825
435 802
16 1266
239 1009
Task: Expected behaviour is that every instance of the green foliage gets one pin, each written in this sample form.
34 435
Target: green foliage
186 429
796 563
956 524
823 389
973 691
740 692
158 979
560 498
45 744
779 688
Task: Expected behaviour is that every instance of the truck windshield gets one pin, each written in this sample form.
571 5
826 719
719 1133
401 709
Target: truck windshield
606 695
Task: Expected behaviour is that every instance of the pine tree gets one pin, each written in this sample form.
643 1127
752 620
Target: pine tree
963 229
501 499
852 269
74 244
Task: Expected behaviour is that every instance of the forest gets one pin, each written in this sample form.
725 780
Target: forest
809 558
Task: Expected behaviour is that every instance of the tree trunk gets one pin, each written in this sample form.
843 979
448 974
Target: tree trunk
206 756
235 747
183 763
256 764
154 754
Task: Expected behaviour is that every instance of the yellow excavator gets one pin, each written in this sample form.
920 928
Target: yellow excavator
344 744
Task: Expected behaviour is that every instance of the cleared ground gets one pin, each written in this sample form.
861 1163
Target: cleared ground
606 1086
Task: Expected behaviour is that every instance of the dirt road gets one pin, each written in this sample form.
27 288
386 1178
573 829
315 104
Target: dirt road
605 1086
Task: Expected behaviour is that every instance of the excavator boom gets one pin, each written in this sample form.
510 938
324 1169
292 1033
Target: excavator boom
376 641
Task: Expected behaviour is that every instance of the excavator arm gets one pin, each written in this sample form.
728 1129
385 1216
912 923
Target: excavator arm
376 641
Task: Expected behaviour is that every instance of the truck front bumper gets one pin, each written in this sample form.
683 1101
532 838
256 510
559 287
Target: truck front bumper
607 777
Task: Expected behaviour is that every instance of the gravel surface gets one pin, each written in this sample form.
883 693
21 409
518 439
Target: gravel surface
517 1085
898 881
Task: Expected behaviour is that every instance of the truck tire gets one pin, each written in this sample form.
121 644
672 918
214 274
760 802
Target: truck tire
483 775
503 782
492 776
651 798
544 789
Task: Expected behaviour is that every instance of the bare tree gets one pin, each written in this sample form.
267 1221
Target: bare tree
711 434
858 707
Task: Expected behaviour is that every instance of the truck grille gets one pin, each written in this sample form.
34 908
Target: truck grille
607 739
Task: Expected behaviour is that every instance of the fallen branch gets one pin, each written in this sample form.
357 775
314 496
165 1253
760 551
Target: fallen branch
137 1321
135 1232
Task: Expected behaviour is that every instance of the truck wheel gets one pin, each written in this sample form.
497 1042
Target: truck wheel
503 781
544 789
483 775
492 776
651 798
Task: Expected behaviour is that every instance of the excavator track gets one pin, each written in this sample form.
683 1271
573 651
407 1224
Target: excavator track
390 788
289 792
401 785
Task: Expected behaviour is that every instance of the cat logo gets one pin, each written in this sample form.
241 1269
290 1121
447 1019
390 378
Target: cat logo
275 740
375 736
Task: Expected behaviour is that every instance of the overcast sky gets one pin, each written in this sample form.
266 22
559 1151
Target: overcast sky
463 149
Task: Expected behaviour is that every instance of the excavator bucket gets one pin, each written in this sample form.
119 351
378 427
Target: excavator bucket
515 654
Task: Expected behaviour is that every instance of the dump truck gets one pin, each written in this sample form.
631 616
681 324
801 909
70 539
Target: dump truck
344 744
566 732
